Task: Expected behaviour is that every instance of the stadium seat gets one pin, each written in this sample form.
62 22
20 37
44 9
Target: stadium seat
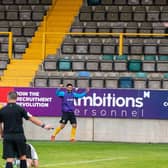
69 77
29 28
41 79
4 26
155 81
145 27
78 64
82 46
153 13
126 13
90 27
165 81
38 12
68 46
97 80
111 80
133 2
7 2
4 45
134 65
139 13
106 2
162 64
3 64
106 65
64 64
92 65
120 2
93 2
107 57
120 63
136 46
95 46
98 16
46 2
50 64
109 47
54 78
125 82
2 12
112 13
20 45
16 27
83 79
140 80
21 2
132 27
149 63
77 27
160 2
146 2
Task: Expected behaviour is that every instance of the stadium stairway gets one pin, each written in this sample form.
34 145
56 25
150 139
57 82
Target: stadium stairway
59 19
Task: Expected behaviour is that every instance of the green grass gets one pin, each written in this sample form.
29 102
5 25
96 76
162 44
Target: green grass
100 155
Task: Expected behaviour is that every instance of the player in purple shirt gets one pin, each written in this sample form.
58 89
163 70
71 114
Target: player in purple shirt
68 97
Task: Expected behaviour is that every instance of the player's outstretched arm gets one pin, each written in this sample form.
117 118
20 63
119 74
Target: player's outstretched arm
40 123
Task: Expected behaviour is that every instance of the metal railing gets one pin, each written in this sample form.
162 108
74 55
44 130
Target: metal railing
119 35
10 42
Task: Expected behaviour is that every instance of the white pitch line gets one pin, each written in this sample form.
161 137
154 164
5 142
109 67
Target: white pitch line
83 161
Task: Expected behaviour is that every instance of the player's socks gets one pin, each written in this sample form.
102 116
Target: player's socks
9 165
56 131
23 164
73 134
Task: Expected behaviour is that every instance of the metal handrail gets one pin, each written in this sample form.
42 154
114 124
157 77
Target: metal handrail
10 42
120 35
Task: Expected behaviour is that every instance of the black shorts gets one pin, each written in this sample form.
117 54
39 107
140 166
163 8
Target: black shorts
68 116
14 148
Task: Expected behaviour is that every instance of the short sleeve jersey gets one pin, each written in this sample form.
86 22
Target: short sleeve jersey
12 118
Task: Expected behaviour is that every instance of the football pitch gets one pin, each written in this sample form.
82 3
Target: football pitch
99 155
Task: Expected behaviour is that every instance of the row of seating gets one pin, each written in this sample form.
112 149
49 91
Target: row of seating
123 13
84 79
107 27
19 28
26 2
82 47
104 65
126 2
24 13
123 16
124 8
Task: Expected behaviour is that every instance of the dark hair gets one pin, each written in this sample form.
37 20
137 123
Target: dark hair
69 84
12 95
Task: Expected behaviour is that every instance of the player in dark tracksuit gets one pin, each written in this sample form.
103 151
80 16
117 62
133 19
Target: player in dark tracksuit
68 97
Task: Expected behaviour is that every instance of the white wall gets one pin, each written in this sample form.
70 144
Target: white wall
102 129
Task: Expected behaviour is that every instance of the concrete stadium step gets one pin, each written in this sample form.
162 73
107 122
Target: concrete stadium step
59 19
20 73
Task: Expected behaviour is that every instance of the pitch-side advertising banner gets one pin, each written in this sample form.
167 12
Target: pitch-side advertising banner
109 103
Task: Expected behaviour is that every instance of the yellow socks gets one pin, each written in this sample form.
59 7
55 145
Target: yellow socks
73 133
56 131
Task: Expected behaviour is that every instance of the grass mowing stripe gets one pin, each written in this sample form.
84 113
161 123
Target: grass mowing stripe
84 161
